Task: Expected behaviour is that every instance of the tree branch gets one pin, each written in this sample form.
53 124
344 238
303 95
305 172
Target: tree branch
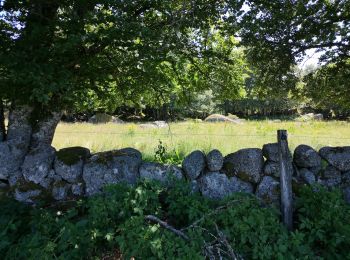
167 226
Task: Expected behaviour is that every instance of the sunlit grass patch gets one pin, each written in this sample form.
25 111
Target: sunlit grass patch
184 137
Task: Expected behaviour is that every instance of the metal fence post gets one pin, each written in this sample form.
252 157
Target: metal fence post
286 171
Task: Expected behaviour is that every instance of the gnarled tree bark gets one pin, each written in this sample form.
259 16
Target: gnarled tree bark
26 153
38 163
15 147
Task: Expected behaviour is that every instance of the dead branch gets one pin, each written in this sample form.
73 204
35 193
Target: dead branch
167 226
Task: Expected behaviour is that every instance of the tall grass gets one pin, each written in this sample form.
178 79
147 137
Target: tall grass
184 137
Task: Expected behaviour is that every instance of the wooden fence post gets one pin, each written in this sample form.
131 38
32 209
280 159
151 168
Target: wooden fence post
286 172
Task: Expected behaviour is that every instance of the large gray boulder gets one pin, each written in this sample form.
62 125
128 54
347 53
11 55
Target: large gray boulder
97 173
268 190
193 165
214 118
339 157
247 164
215 160
215 185
126 162
306 157
69 163
331 177
155 124
160 124
111 167
309 117
160 172
272 169
270 152
102 118
38 164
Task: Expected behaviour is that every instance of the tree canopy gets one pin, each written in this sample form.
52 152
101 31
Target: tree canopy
99 53
278 34
57 52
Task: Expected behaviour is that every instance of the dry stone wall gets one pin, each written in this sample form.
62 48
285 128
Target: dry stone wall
75 172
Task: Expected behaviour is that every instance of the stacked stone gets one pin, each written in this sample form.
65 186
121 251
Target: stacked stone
74 172
209 176
330 167
308 163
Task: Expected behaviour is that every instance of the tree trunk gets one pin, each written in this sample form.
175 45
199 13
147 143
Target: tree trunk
2 122
27 151
38 163
19 127
45 130
15 147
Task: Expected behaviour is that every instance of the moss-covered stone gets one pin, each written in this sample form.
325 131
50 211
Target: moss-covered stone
106 157
27 186
24 186
72 155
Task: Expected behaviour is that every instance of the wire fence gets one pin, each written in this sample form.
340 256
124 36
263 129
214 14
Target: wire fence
197 134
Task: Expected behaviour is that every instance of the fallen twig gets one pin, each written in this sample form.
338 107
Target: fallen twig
167 226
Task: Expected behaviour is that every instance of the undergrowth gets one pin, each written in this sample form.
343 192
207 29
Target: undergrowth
115 222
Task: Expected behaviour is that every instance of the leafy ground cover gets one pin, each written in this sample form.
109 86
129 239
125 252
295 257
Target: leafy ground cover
183 137
116 225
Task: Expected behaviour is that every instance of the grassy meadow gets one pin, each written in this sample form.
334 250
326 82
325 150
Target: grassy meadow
183 137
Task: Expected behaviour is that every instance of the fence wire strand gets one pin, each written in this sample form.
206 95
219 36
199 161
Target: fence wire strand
171 134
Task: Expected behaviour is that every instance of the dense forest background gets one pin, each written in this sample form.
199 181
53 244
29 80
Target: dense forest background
175 59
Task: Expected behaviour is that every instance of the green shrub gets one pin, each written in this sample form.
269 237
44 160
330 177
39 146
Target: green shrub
115 220
323 218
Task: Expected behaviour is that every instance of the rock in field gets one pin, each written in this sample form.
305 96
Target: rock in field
339 157
215 160
306 157
220 118
155 124
247 164
101 118
193 165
